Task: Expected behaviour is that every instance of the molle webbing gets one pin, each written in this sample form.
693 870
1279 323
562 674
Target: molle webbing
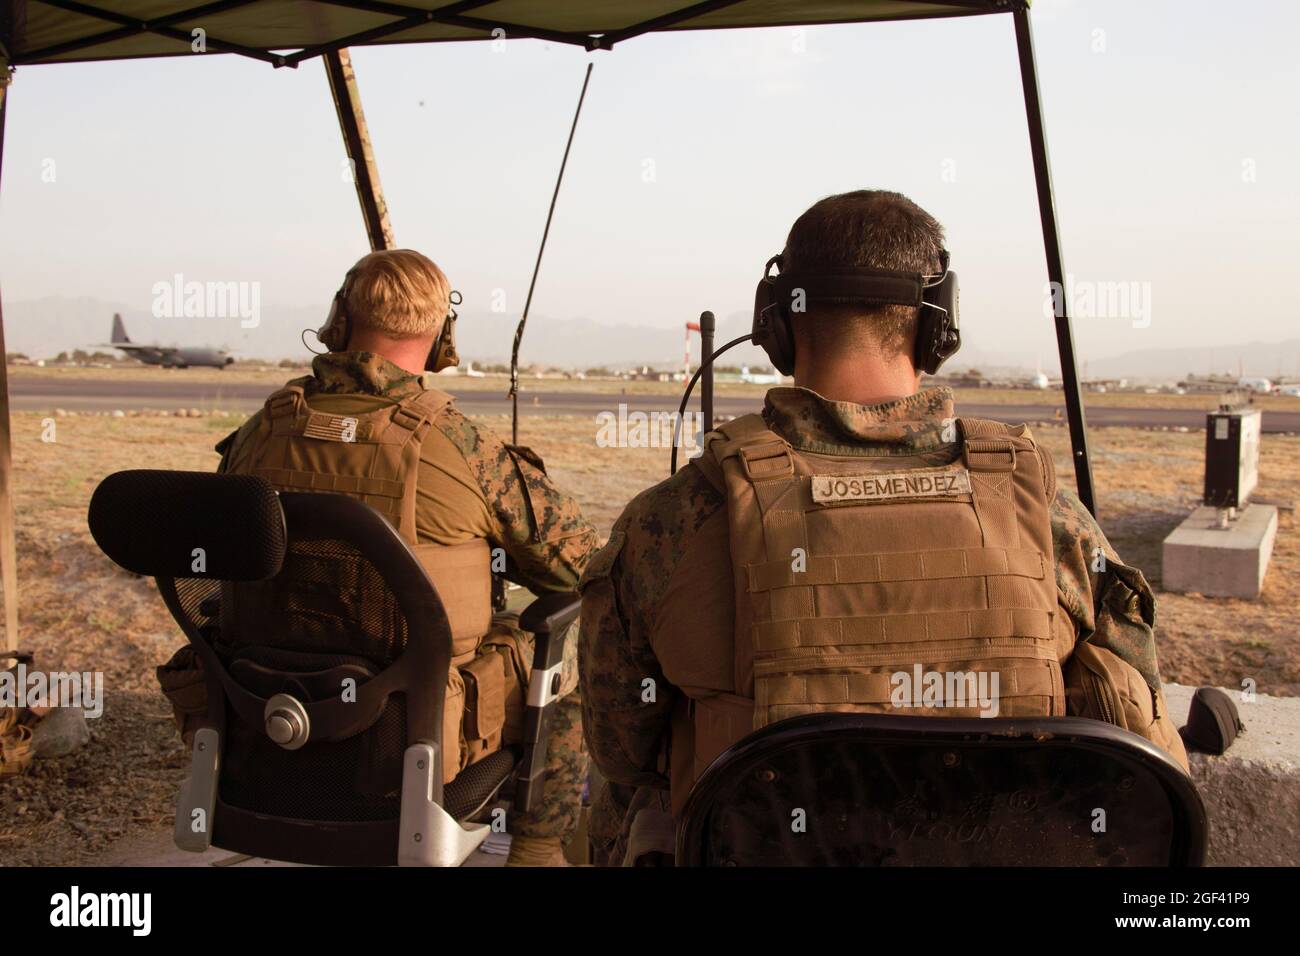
898 566
878 688
375 457
849 570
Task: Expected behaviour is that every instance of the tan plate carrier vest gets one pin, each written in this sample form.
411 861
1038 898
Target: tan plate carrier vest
852 570
375 457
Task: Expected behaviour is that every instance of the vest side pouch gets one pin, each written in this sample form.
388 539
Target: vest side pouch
720 721
1102 686
453 715
186 689
485 705
516 652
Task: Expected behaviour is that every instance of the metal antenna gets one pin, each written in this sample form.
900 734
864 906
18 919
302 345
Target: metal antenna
519 330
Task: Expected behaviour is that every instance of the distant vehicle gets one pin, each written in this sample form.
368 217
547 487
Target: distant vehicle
1255 384
1292 391
168 356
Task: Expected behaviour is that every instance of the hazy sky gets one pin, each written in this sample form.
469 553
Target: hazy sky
1171 126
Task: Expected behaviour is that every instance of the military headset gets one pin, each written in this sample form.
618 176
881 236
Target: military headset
779 296
336 331
938 336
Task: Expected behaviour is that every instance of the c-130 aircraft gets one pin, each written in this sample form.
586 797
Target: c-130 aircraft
168 356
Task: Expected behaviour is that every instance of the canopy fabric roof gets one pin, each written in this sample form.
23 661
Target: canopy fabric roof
286 32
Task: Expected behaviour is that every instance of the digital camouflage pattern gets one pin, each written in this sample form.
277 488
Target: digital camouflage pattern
566 775
625 586
546 540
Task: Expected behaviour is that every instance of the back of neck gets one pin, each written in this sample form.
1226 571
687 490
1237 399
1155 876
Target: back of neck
866 382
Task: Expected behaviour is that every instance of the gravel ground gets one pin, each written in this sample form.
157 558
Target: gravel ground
79 611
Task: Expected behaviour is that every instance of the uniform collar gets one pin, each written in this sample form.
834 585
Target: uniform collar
919 423
364 372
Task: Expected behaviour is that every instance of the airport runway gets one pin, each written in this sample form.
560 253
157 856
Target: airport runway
47 394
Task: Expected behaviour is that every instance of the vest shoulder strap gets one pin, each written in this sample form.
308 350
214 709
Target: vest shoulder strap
413 412
763 453
284 403
992 446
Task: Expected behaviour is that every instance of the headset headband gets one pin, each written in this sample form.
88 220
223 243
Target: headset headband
870 287
780 298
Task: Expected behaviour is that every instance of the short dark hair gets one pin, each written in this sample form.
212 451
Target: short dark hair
867 228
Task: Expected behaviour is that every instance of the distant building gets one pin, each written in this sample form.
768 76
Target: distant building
647 374
1102 385
1208 383
970 379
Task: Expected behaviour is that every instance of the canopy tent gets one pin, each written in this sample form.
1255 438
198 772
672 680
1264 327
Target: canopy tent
284 33
48 31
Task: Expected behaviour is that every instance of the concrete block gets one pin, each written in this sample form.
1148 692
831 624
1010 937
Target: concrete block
1251 792
1200 557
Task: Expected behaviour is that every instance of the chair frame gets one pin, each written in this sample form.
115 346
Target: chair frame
1189 821
424 834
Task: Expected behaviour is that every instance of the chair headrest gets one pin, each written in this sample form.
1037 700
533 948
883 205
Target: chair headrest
189 524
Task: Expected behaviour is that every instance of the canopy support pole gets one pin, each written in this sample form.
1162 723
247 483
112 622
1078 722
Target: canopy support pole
8 547
356 139
1055 264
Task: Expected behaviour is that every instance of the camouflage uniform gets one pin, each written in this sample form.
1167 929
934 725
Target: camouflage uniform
668 562
471 485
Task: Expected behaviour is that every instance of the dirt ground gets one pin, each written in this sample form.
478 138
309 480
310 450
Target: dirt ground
81 612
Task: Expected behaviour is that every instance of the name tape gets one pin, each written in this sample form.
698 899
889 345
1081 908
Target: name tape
938 483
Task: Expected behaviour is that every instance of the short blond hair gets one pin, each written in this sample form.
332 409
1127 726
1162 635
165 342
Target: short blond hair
398 292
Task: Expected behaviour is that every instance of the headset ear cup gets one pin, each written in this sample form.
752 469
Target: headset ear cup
783 359
937 340
444 354
771 329
334 333
938 334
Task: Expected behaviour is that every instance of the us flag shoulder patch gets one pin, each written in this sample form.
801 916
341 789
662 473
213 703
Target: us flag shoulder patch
932 483
331 427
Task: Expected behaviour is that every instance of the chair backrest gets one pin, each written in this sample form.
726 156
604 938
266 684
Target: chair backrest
313 596
886 790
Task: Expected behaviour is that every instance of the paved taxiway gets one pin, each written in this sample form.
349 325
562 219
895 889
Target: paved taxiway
93 394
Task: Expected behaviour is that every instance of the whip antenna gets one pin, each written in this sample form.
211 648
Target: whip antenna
705 364
519 330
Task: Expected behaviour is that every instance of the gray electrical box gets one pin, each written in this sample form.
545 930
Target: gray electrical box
1231 456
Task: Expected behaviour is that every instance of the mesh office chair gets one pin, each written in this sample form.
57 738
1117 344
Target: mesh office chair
323 738
885 790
